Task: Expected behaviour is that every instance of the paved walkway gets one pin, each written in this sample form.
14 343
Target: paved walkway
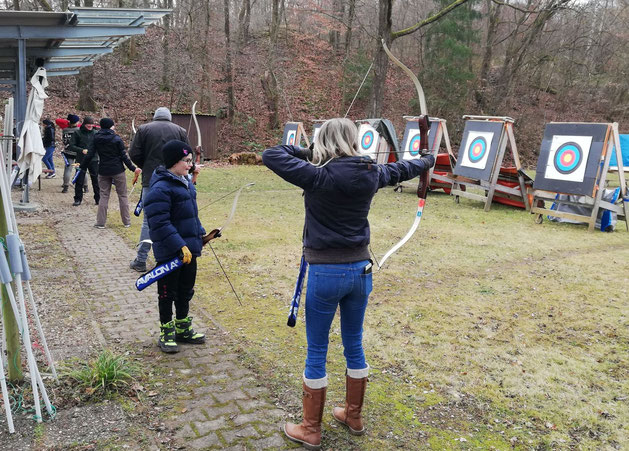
220 404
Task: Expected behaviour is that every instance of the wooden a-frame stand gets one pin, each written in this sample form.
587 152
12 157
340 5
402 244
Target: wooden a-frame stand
612 139
299 133
440 175
492 186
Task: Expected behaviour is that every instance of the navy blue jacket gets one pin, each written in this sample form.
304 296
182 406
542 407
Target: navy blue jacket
171 211
338 197
108 147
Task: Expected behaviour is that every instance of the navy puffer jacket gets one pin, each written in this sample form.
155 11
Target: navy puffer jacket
173 217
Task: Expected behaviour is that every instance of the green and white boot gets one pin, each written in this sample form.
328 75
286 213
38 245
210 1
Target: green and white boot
166 340
185 333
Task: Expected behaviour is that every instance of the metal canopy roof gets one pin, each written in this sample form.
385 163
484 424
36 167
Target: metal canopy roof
67 41
62 42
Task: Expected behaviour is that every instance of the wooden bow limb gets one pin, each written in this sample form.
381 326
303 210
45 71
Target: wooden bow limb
424 126
198 150
134 182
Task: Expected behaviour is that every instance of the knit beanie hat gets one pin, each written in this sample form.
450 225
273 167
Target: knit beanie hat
106 122
173 151
73 118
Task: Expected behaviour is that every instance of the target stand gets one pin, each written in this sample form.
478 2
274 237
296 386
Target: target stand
294 133
575 160
479 165
373 142
439 176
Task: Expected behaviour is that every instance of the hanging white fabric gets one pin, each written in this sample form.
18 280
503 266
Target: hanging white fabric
31 145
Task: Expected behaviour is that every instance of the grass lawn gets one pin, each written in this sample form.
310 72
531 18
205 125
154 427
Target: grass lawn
484 330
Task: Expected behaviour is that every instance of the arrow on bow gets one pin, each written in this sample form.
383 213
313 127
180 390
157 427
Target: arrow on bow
216 233
424 126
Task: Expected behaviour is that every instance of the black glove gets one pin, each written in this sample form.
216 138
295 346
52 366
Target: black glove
306 154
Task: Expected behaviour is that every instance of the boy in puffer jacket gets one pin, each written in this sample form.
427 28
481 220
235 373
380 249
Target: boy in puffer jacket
175 230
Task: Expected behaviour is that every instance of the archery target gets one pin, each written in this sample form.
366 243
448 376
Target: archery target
290 134
476 149
368 139
570 156
567 158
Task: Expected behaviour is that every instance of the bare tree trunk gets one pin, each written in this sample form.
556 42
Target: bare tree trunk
381 61
519 48
334 35
44 5
228 64
206 82
351 14
493 17
271 98
86 89
165 45
16 5
244 21
275 23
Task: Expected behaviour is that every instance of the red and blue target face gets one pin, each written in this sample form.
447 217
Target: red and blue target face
291 138
477 149
568 158
414 145
367 140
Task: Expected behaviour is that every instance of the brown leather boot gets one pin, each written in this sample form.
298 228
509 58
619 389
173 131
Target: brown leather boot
354 397
308 432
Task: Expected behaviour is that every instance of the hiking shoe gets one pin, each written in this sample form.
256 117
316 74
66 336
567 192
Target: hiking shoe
166 340
185 333
65 189
52 175
138 266
126 226
98 226
76 203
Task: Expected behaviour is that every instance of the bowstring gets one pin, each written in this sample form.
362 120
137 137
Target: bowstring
359 88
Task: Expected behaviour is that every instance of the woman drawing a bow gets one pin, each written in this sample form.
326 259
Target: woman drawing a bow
338 185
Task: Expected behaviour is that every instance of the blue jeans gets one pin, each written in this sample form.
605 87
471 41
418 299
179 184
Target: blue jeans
144 248
344 285
47 160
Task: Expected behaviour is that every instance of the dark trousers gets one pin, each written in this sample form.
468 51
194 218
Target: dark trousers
80 181
176 288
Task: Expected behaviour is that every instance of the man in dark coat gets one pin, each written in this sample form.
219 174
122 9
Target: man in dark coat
80 143
110 149
146 153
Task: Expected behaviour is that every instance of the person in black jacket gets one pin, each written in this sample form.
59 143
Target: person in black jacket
49 144
110 149
173 217
146 153
68 154
339 184
79 144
